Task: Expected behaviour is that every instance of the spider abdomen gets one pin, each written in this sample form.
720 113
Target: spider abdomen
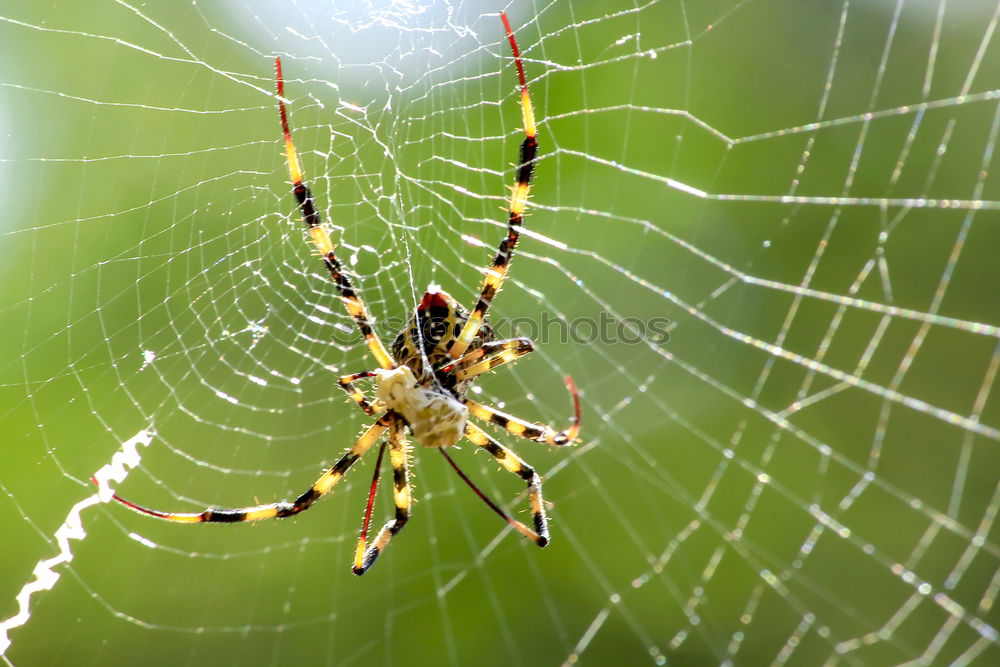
436 418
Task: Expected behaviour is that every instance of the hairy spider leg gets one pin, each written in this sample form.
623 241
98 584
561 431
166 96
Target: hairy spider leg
283 509
496 352
496 273
530 430
401 495
490 362
513 463
320 237
346 383
363 538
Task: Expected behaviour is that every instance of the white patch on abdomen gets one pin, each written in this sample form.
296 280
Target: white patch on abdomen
436 418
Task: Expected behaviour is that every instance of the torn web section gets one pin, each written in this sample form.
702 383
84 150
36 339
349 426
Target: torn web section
45 573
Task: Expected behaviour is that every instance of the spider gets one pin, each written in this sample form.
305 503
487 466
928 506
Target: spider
421 385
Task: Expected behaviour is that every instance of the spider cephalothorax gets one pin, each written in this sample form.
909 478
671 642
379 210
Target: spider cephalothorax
424 344
421 387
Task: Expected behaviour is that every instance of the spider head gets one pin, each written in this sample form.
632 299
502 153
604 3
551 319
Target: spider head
436 311
436 299
424 343
436 323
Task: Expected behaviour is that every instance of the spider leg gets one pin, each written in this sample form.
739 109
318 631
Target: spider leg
513 463
530 430
496 273
398 453
372 491
283 509
346 383
497 353
320 237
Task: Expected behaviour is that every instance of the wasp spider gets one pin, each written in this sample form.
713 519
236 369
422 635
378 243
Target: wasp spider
422 383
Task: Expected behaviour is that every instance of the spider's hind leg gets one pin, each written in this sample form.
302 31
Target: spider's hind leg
398 453
278 510
514 463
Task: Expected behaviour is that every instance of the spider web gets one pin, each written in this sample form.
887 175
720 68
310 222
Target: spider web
804 470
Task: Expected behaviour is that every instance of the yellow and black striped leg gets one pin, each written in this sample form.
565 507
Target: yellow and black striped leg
496 273
513 463
320 237
530 430
493 354
398 453
283 509
346 383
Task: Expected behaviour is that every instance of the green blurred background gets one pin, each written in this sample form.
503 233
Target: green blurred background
805 472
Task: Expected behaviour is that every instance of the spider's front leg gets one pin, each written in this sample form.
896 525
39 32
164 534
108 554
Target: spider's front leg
320 238
496 273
